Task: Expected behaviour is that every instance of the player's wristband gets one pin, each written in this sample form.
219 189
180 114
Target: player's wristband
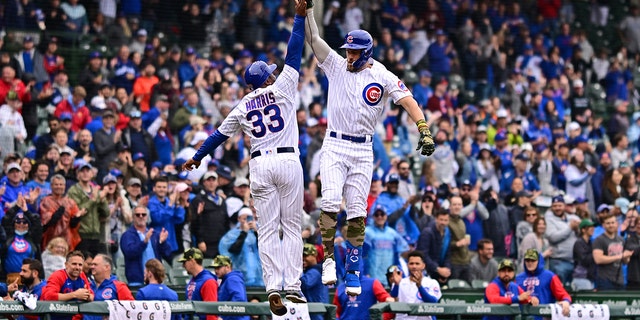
422 124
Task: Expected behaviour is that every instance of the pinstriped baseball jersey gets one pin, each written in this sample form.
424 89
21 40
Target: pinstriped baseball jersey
356 99
268 114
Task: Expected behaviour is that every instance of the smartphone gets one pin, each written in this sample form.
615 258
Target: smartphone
249 218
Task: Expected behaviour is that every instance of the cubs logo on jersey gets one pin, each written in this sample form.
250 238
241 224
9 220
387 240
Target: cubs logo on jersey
107 294
372 94
402 86
20 245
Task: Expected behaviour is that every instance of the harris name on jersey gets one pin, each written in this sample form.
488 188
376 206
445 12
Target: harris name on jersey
261 101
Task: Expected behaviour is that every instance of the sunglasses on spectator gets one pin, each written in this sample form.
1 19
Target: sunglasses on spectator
404 168
140 215
379 214
532 214
22 222
466 189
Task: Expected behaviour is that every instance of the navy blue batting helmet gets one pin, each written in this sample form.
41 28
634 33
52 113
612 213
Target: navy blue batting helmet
359 40
257 73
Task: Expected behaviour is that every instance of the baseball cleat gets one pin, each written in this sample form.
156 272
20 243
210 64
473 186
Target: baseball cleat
329 272
296 296
275 304
352 282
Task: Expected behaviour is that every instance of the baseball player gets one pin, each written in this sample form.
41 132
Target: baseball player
359 87
268 116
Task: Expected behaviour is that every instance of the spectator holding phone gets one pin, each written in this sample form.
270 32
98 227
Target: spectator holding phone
241 245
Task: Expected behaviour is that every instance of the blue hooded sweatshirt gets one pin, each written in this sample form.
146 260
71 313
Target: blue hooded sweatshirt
232 289
545 284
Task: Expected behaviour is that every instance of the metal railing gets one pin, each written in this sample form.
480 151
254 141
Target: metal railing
47 308
461 311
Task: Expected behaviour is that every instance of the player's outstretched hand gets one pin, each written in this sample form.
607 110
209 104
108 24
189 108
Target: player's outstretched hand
190 165
426 141
301 7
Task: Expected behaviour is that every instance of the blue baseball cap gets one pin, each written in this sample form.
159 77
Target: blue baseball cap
500 136
580 200
80 164
157 164
138 156
214 162
65 116
115 172
224 172
579 139
183 175
541 147
95 55
190 51
393 178
557 199
379 208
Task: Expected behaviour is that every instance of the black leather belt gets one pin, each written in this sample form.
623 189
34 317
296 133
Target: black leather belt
343 136
278 150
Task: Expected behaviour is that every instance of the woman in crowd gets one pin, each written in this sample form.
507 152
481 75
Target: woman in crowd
525 226
55 256
535 240
487 169
612 186
578 176
120 214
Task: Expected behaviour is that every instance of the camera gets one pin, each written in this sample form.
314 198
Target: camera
249 218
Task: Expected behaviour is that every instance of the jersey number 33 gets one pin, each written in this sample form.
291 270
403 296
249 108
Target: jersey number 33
257 118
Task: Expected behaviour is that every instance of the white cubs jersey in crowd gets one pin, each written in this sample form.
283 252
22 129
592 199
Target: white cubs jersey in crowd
266 114
356 99
408 293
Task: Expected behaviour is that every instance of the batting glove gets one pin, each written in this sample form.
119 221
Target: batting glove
426 141
309 4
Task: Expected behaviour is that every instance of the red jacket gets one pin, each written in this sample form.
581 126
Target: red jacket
59 282
16 85
79 118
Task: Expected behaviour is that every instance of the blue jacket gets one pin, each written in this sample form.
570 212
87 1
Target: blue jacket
132 249
109 289
232 288
382 247
160 291
165 216
512 292
195 290
312 287
357 308
11 195
545 284
155 291
245 258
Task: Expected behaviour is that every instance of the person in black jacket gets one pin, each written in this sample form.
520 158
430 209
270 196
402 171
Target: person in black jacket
433 239
138 139
209 219
584 271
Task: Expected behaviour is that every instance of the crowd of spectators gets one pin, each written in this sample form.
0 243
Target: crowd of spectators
537 134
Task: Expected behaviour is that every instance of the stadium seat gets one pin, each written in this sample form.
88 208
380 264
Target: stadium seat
121 275
479 284
458 284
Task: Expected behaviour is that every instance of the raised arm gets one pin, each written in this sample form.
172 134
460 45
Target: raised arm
320 48
296 41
